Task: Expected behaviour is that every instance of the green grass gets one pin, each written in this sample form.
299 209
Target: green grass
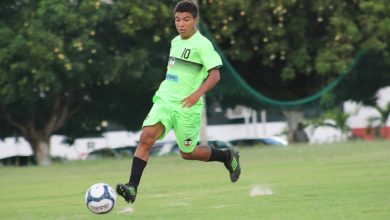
339 181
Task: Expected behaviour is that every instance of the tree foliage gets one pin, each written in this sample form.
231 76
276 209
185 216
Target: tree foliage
290 49
63 58
363 84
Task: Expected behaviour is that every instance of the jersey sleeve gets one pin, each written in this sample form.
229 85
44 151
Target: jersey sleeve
209 56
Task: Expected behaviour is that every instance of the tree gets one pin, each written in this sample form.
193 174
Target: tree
289 50
365 81
59 57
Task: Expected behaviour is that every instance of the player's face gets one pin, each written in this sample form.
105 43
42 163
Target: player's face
185 24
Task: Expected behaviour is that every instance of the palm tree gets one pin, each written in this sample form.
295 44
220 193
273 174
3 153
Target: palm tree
384 114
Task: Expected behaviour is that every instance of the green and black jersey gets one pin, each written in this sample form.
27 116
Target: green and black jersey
190 60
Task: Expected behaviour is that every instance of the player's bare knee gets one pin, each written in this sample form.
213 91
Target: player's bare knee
146 140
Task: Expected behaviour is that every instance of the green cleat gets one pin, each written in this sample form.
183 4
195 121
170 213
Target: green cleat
127 191
233 164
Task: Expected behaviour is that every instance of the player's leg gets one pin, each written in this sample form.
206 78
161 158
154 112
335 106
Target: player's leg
206 153
230 158
202 153
187 124
155 126
149 135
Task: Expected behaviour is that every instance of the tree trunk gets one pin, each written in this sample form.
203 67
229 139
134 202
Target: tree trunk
41 149
39 136
203 130
293 117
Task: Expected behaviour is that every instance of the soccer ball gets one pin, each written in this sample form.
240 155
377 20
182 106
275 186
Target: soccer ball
100 198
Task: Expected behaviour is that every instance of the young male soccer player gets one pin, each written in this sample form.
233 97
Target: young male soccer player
192 71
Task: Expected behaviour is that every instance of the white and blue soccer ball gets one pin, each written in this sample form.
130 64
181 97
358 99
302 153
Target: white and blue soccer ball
100 198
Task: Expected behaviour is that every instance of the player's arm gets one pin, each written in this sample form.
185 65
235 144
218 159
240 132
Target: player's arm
207 85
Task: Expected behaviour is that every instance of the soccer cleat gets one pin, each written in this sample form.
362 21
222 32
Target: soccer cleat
127 191
233 164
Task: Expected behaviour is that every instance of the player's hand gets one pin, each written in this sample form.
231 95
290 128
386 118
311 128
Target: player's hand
190 100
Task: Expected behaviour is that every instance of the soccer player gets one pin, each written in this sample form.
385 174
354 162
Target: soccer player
192 70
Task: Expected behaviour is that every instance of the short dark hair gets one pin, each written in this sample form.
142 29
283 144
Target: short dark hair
187 6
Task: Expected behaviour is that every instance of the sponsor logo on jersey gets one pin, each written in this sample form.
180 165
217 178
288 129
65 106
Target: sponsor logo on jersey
172 77
171 62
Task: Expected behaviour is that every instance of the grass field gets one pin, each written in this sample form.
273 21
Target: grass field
338 181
